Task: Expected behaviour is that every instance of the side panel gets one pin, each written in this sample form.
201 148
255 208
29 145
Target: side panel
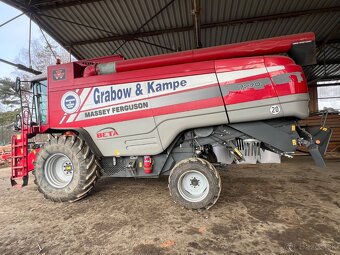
199 106
170 125
260 88
132 137
248 92
129 136
144 116
290 85
196 104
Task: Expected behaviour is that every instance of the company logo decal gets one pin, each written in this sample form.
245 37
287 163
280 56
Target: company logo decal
107 133
70 102
112 94
59 74
119 99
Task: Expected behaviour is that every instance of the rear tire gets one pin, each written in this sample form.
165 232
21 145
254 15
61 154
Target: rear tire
195 184
66 170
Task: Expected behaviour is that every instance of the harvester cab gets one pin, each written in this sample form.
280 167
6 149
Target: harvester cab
33 98
175 114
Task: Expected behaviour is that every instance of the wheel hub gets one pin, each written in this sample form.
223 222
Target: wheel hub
194 182
58 170
68 168
193 186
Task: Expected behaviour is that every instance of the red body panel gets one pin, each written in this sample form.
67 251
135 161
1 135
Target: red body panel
55 93
221 66
293 87
241 65
215 60
245 49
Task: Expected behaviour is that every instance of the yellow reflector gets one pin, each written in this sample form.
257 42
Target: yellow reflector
293 128
294 142
238 152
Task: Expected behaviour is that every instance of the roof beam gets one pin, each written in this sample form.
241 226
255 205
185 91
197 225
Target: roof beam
146 22
21 67
10 20
51 5
132 36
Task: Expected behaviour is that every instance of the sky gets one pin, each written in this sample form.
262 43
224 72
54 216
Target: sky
13 37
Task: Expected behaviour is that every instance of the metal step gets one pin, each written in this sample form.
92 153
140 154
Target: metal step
18 167
17 156
18 145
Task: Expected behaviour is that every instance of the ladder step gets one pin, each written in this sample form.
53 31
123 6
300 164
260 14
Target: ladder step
18 167
20 156
18 145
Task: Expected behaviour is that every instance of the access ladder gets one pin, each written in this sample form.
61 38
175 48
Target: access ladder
19 152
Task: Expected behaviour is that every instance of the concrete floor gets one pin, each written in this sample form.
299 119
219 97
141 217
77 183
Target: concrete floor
291 208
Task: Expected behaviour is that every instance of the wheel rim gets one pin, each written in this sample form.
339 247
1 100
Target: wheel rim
58 170
193 186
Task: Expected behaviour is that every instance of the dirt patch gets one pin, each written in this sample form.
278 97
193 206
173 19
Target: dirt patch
308 239
147 249
292 208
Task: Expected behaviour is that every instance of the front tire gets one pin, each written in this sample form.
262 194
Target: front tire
66 170
194 183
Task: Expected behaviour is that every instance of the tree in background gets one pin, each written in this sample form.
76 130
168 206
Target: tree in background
6 127
11 100
41 58
8 96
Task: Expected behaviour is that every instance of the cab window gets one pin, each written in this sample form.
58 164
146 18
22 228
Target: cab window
40 101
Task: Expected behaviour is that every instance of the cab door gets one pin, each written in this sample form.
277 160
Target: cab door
40 104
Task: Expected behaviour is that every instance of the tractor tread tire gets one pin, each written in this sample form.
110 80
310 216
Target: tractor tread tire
214 177
86 169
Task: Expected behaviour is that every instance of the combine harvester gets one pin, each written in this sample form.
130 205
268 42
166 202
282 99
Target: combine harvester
174 114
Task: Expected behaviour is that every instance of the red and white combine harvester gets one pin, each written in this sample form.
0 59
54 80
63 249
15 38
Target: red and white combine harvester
176 114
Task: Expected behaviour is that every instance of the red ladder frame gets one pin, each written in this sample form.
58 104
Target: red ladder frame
19 152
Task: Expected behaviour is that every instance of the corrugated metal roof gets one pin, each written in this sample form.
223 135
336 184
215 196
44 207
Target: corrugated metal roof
222 22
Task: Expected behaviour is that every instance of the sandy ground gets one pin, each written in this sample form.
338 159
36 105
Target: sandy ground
292 208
